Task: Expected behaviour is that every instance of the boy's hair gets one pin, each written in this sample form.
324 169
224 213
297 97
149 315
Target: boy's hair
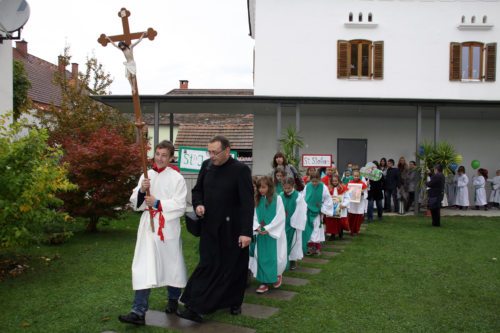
356 170
280 169
391 160
270 189
165 144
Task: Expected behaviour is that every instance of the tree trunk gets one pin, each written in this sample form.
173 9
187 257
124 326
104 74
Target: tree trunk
92 225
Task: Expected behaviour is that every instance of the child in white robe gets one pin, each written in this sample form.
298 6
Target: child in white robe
495 190
268 258
462 191
479 183
158 259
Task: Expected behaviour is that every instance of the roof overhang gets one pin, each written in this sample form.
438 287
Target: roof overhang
318 106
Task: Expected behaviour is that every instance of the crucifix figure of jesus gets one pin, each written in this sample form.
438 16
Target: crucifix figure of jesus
126 46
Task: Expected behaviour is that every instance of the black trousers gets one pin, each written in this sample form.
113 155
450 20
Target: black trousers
391 194
436 216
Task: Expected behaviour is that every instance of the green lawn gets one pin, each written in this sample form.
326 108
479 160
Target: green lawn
401 275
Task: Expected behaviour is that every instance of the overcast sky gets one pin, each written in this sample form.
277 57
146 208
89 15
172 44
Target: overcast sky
205 42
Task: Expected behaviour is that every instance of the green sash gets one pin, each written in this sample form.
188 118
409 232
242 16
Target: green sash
279 188
267 258
314 199
290 203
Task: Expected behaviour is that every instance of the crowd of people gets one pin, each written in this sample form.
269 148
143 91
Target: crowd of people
457 190
264 229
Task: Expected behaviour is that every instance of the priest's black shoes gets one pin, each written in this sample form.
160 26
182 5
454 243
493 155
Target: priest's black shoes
235 310
190 315
172 306
132 318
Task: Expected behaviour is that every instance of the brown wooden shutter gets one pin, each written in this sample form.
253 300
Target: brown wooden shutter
491 62
342 59
378 60
455 61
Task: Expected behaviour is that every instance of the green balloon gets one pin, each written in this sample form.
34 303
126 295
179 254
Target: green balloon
475 164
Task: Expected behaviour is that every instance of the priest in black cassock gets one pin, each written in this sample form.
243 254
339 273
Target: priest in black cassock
223 195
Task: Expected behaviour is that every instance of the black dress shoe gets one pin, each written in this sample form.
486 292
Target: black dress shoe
190 315
235 310
132 318
172 306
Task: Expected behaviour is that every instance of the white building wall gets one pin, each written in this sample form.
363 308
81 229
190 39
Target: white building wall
296 47
6 89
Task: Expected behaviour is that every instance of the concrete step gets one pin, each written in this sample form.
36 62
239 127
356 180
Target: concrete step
171 321
279 294
307 270
294 281
310 260
258 311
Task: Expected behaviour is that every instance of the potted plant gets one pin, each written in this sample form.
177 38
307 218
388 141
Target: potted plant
290 142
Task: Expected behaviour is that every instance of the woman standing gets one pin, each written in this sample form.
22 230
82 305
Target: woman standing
479 183
279 159
403 184
375 195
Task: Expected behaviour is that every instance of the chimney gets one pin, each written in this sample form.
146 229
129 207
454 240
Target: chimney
22 47
183 84
74 71
61 64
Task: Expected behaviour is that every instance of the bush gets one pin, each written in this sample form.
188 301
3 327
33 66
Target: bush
31 177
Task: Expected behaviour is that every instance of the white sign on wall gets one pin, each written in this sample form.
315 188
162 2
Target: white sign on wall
190 159
317 160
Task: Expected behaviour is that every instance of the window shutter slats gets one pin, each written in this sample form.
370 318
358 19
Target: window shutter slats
342 59
378 60
491 62
455 61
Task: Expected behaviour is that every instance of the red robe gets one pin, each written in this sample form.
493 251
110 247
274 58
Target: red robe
334 225
355 220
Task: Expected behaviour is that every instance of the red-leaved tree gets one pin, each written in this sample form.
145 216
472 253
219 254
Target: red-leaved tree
99 145
106 168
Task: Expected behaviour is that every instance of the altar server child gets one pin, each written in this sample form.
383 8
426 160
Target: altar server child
336 224
158 259
356 210
295 212
269 259
495 190
479 183
318 202
279 176
462 191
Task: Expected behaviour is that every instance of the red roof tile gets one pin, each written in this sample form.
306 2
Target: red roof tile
40 73
198 135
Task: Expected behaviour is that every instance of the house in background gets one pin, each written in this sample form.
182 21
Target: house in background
364 79
369 79
43 92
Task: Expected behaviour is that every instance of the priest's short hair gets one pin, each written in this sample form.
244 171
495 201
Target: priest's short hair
224 142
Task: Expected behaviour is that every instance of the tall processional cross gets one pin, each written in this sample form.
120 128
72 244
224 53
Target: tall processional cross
126 46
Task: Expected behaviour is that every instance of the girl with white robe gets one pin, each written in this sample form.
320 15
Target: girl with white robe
268 258
318 201
462 191
295 212
479 183
495 190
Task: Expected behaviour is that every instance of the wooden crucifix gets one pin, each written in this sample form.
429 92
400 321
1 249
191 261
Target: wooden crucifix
125 44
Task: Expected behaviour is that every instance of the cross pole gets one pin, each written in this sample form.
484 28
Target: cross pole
127 37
